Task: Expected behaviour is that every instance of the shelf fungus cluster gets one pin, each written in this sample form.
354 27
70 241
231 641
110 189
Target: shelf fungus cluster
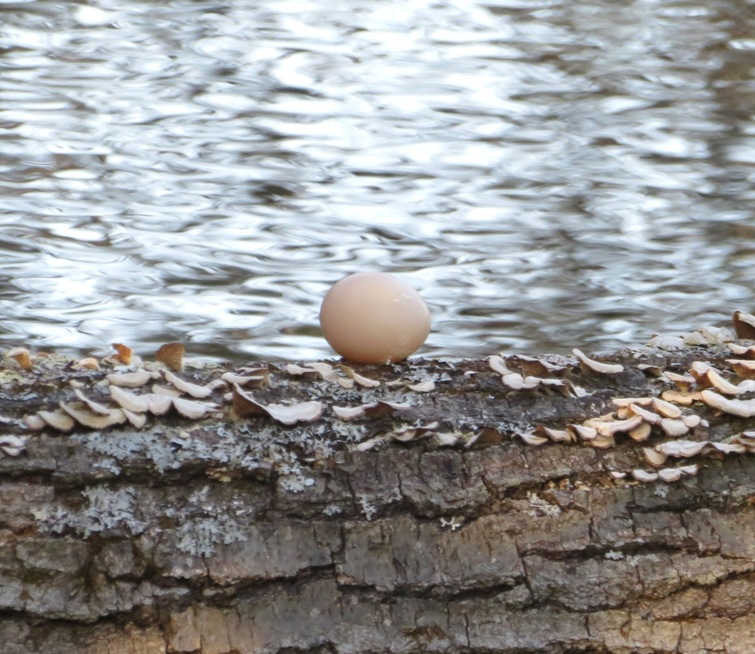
126 404
669 416
665 429
532 373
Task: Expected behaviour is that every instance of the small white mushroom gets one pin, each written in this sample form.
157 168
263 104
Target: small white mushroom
627 401
199 392
712 377
158 404
423 387
131 379
360 379
95 407
649 417
349 412
254 380
159 389
690 470
364 446
699 370
692 420
192 409
445 439
375 408
681 448
556 435
666 409
497 364
618 475
729 448
516 382
585 432
682 382
741 408
644 475
57 420
674 427
288 414
138 420
12 445
34 422
742 350
671 474
588 364
532 439
130 401
650 370
80 412
611 427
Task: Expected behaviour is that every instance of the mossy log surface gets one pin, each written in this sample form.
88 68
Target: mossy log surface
425 527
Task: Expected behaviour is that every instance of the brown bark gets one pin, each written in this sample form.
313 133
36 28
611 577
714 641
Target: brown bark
228 535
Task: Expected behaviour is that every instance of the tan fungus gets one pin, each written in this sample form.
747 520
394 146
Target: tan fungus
641 433
682 382
685 399
654 457
171 355
21 356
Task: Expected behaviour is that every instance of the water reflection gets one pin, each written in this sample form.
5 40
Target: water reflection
547 174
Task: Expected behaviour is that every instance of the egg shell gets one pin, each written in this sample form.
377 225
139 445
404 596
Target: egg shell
374 318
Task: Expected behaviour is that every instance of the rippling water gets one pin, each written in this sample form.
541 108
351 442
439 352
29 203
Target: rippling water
547 173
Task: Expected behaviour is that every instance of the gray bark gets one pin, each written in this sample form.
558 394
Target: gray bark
237 535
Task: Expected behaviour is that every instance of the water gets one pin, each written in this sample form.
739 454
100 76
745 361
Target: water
548 174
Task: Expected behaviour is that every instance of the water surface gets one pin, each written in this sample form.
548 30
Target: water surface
548 174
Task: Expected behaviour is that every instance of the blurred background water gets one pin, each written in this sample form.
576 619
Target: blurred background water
547 173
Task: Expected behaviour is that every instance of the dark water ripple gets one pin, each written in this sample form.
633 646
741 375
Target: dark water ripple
547 174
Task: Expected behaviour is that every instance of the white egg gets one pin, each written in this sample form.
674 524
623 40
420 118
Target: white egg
374 318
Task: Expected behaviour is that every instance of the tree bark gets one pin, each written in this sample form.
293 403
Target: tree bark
427 524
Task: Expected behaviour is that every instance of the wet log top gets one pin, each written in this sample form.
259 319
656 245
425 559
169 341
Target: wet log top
511 504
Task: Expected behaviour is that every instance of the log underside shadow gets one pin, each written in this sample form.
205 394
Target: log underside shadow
424 525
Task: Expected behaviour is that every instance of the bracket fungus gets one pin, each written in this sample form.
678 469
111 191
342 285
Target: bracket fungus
244 405
21 356
591 365
12 445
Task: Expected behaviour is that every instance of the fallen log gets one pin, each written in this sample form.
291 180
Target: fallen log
508 505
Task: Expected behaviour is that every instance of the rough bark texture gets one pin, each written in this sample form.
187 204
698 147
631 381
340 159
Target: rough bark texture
229 535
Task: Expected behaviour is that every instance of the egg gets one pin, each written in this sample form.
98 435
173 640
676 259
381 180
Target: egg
374 317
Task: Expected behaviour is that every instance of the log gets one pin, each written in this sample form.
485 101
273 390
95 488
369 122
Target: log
507 505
